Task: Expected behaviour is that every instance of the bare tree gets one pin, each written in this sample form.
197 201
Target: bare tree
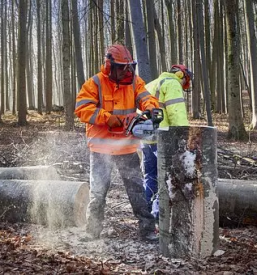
48 58
39 56
236 126
140 40
204 67
66 51
21 84
77 43
253 59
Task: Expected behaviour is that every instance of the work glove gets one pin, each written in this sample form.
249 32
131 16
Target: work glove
114 121
149 107
144 130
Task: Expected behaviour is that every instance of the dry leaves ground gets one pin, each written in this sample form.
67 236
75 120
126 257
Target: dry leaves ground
34 249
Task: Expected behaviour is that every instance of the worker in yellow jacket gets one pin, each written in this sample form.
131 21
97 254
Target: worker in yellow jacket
103 103
169 88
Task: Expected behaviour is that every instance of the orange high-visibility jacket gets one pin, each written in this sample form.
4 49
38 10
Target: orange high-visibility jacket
98 99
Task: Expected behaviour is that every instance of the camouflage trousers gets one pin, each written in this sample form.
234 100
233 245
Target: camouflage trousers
101 166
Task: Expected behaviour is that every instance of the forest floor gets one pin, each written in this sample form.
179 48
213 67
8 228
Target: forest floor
36 249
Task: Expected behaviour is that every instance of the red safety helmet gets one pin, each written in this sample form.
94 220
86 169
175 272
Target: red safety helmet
183 72
119 65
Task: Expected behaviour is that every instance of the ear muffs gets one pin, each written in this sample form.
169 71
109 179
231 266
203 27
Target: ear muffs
107 63
179 74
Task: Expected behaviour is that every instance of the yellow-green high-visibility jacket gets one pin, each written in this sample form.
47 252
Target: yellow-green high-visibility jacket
168 90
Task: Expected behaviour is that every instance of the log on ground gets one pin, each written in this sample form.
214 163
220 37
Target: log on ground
40 172
56 204
237 202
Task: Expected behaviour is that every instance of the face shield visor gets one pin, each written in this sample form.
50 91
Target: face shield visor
122 74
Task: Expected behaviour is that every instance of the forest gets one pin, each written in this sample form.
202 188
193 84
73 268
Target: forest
49 48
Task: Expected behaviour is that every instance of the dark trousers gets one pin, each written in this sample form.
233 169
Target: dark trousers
101 166
150 171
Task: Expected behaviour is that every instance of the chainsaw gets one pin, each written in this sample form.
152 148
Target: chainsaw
142 125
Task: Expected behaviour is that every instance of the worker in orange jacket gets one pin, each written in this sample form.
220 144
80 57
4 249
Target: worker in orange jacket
103 103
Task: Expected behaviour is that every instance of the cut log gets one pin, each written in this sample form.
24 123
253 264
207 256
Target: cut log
237 202
187 177
40 172
52 203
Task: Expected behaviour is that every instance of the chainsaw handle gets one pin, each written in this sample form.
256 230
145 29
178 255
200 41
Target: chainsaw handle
147 113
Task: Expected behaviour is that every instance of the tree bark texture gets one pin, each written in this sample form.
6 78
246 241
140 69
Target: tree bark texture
39 172
187 176
237 202
57 204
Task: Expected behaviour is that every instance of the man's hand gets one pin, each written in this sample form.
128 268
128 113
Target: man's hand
149 107
114 121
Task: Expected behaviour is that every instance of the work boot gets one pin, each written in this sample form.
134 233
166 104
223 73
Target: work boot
150 237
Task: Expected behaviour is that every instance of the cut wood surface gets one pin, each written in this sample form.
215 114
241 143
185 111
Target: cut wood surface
53 203
40 172
237 202
187 173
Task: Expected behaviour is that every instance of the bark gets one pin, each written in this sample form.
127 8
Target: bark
21 81
253 59
52 203
29 173
237 202
187 176
66 67
236 126
151 37
204 67
139 36
77 44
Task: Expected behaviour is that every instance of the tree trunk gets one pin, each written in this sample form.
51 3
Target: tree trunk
77 44
237 202
21 83
187 176
236 126
253 58
139 36
51 203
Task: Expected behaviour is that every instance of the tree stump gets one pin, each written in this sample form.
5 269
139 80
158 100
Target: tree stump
187 178
51 203
237 202
40 172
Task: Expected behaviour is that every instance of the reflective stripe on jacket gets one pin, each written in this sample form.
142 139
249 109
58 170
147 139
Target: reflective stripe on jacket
98 99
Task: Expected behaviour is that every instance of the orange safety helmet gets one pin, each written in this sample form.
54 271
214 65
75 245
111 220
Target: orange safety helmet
182 71
119 65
